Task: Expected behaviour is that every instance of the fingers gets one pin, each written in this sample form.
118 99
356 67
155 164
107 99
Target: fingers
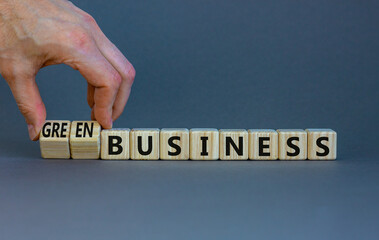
122 65
90 95
29 101
103 84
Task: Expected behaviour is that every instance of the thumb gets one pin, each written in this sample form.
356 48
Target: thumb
29 101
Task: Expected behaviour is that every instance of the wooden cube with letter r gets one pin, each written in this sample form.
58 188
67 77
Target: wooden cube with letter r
115 144
54 139
85 140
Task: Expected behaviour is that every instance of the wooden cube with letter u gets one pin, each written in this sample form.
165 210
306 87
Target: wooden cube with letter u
233 144
144 144
115 144
85 140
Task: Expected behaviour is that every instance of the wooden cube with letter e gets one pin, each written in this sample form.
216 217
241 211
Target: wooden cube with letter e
263 144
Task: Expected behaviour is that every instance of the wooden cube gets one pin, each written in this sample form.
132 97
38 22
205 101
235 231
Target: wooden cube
144 143
292 144
115 144
85 140
204 144
54 139
233 144
263 144
322 144
174 144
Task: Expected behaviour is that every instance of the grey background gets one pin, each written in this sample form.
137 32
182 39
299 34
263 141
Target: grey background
222 64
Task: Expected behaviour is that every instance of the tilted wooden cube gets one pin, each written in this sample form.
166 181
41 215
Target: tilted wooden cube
263 144
322 144
85 140
54 139
144 143
233 144
204 144
115 144
292 144
174 144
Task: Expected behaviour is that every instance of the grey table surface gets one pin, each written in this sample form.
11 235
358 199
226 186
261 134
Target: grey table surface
221 64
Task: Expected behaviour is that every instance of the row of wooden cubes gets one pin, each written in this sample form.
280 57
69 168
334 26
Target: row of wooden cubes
86 140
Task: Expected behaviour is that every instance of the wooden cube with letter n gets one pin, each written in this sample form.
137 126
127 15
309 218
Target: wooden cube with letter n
85 140
115 144
144 143
174 144
322 144
292 144
263 144
204 144
233 144
54 139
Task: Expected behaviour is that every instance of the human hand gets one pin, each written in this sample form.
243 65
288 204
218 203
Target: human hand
38 33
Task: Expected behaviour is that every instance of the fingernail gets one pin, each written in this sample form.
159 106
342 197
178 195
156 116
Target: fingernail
32 132
111 122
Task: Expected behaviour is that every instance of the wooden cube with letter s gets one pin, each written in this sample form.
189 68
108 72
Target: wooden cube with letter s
322 144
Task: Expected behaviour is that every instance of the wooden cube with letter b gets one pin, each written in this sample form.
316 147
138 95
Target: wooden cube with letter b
233 144
204 144
115 144
292 144
54 139
85 140
263 144
322 144
174 144
144 144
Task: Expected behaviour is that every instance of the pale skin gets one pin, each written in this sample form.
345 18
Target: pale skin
38 33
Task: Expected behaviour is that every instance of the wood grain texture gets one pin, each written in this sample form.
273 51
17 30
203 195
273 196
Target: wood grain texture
267 140
174 144
115 144
239 138
206 149
322 144
54 140
85 140
144 144
295 137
